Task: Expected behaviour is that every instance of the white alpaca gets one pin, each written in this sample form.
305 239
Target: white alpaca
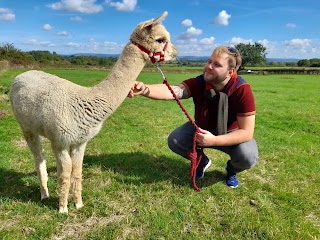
70 115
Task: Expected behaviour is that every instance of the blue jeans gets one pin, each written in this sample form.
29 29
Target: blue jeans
242 156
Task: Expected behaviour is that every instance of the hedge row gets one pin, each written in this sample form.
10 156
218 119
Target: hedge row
315 71
4 65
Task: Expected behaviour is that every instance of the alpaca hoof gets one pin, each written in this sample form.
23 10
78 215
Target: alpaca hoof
44 195
63 210
79 205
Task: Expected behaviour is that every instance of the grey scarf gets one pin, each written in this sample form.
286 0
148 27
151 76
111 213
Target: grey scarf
221 99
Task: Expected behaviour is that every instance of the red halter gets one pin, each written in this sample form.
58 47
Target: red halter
154 56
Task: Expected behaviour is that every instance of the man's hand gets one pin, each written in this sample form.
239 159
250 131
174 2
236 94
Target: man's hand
137 89
205 138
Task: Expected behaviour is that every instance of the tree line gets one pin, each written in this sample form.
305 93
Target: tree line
41 58
255 55
252 55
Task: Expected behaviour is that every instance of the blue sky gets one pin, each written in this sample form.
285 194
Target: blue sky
288 29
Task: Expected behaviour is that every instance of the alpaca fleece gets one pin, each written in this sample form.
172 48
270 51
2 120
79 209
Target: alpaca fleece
70 115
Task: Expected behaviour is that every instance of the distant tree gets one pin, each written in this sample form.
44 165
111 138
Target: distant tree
291 64
303 63
273 64
315 62
46 57
15 56
106 62
7 49
40 55
252 54
21 58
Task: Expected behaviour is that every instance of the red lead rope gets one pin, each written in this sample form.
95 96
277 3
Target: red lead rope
196 153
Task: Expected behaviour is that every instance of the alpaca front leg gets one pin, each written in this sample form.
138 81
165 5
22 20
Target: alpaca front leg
64 168
35 146
77 153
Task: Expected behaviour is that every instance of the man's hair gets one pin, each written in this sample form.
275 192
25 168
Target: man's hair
234 59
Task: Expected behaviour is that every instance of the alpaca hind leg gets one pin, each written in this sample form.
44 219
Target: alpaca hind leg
64 168
77 153
35 146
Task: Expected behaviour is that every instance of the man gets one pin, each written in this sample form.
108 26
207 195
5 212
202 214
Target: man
224 112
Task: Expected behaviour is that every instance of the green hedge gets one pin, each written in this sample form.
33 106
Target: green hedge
283 70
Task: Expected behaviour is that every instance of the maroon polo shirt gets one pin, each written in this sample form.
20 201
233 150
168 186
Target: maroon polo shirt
240 99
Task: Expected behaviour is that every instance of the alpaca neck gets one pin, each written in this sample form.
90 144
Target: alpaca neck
122 76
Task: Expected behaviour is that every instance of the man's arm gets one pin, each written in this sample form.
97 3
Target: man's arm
158 91
243 134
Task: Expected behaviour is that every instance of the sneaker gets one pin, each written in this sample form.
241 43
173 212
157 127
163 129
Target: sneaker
232 180
203 165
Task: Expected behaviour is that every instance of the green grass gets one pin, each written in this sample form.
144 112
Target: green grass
135 188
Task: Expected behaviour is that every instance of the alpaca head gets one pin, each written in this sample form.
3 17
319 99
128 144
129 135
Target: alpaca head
154 40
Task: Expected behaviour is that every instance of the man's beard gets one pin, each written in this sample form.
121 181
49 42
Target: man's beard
209 78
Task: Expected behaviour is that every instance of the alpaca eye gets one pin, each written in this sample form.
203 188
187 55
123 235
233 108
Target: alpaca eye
160 40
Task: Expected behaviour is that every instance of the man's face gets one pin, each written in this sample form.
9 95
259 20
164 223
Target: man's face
217 69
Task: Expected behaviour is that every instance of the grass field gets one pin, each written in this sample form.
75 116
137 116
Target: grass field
135 188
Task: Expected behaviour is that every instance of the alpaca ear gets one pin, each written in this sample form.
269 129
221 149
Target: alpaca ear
153 22
160 18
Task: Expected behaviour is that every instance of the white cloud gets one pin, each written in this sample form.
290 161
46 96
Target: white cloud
94 45
63 33
35 42
124 6
187 23
291 25
194 47
207 41
47 27
7 15
315 50
190 33
73 45
83 6
76 19
222 18
264 42
298 43
236 40
271 47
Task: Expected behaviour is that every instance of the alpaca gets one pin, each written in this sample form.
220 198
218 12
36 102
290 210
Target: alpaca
70 115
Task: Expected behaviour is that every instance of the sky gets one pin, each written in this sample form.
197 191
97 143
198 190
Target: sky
286 28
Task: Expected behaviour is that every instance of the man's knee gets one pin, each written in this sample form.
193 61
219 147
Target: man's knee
178 145
172 142
248 161
245 156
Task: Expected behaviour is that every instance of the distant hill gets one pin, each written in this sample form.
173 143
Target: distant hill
94 55
183 58
283 60
203 58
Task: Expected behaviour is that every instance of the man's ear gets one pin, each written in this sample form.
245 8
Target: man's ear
232 71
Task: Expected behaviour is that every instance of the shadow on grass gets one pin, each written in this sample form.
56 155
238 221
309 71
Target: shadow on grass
141 168
24 187
131 168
